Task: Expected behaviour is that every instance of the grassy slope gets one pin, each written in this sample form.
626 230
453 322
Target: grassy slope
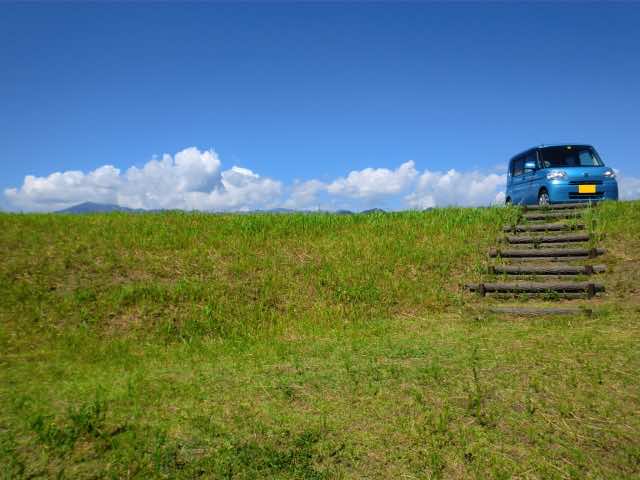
303 346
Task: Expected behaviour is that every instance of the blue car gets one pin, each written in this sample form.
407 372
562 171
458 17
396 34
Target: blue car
559 174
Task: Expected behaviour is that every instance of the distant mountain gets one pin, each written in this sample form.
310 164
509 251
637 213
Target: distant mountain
91 207
279 210
289 210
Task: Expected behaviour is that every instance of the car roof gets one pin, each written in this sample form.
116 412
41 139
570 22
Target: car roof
542 146
563 145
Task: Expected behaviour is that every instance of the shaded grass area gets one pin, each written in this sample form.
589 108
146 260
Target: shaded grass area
194 274
303 346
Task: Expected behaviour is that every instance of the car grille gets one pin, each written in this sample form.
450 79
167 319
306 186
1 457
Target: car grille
593 196
585 182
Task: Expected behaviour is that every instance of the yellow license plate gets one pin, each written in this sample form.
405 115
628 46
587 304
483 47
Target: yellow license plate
586 189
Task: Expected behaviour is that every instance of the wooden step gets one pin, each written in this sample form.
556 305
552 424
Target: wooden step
546 259
551 215
589 288
536 296
542 278
543 227
538 246
559 206
549 245
547 252
540 311
546 269
570 238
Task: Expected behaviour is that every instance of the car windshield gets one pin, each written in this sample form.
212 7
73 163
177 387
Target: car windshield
570 156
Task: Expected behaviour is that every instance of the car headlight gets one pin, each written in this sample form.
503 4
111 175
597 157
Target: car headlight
609 174
557 175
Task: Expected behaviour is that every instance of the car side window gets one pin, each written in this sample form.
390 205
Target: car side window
518 167
544 162
531 157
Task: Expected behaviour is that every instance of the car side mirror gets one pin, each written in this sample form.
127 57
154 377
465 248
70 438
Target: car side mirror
529 166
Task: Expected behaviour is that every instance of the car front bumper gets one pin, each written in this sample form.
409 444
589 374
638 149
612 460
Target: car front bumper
566 191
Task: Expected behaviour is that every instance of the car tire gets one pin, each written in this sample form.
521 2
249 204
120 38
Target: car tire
543 198
508 202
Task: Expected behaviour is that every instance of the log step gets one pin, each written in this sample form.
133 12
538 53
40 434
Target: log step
543 278
559 206
538 287
571 238
546 259
547 252
537 246
556 295
547 269
543 227
550 245
541 311
551 215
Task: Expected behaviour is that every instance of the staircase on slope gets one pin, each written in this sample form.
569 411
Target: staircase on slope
548 254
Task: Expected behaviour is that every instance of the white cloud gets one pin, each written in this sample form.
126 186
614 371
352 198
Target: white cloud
194 180
374 182
457 188
428 189
628 187
241 190
359 188
305 194
191 179
60 190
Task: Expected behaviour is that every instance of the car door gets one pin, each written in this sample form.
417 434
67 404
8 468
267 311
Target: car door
531 180
537 179
517 181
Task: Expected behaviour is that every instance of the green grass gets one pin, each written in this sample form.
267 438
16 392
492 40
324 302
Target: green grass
180 345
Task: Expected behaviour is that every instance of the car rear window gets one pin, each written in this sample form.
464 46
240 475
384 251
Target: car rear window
517 167
570 156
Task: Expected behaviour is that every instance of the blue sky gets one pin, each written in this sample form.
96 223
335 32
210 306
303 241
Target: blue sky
316 105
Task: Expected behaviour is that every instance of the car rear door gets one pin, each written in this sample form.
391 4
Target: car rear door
517 181
532 179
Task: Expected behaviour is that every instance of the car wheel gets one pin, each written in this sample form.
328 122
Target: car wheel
508 202
543 198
